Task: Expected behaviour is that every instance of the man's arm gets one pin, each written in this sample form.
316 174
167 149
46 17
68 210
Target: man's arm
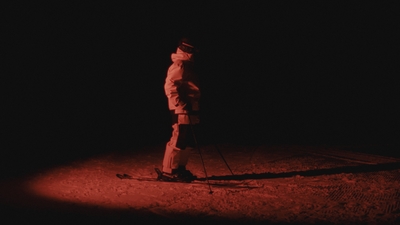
172 84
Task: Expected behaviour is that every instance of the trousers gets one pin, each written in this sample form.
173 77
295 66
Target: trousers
181 143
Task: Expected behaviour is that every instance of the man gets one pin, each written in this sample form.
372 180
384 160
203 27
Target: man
183 93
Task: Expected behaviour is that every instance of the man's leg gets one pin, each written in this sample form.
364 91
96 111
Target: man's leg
178 149
172 154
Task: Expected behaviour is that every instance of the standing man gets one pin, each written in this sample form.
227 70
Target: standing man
183 93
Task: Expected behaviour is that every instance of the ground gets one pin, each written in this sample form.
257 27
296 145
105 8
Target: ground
273 184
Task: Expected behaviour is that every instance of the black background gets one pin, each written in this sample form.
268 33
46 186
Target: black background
86 78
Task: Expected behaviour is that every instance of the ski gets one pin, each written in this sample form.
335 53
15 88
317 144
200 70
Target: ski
201 181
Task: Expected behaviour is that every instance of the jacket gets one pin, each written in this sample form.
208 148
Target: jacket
182 84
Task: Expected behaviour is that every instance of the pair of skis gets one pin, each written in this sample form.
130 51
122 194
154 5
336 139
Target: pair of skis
162 178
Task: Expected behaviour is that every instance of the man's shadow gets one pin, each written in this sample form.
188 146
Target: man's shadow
310 173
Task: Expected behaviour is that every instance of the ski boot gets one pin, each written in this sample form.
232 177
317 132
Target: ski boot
177 175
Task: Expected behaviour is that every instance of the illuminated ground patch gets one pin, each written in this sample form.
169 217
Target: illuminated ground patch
296 184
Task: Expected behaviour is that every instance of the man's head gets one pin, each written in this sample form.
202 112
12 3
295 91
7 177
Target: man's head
187 45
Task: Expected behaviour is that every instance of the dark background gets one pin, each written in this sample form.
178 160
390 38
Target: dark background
87 78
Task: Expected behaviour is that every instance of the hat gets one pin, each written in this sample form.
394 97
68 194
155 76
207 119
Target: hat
186 45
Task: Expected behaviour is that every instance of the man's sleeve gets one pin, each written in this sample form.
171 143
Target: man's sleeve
172 83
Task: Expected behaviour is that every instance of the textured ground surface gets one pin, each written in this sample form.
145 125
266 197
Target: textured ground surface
295 184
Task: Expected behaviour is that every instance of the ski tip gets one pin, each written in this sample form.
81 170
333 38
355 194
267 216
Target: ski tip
124 176
127 176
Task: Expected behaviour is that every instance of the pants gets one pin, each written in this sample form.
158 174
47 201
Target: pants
178 148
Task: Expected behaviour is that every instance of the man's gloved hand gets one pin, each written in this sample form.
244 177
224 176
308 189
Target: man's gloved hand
188 119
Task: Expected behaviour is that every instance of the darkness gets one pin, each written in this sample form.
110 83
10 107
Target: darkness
86 78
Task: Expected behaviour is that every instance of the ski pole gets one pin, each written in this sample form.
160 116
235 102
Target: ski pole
201 156
223 158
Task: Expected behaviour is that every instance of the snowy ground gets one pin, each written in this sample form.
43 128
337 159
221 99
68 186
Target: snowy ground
294 184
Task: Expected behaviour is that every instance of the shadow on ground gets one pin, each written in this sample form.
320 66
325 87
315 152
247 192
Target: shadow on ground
311 173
